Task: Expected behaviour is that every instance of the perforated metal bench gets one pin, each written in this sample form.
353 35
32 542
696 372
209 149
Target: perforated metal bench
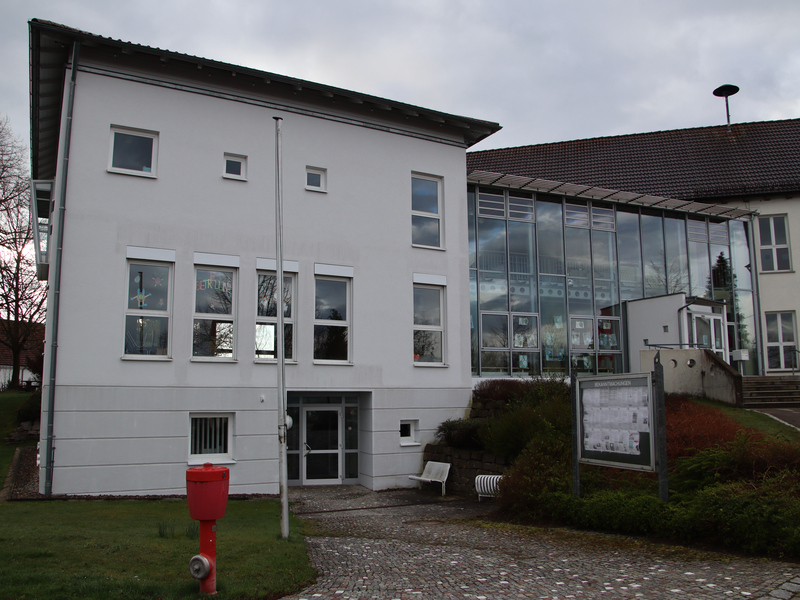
434 472
486 485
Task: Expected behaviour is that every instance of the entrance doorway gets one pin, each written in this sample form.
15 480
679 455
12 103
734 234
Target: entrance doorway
322 448
708 331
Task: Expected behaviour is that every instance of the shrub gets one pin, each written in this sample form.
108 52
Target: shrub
31 409
460 433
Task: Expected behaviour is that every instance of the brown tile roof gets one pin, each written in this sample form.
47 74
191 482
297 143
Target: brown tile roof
706 163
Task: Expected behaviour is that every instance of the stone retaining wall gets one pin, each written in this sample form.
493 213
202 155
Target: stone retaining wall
464 466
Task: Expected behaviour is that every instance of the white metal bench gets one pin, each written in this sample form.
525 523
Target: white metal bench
433 472
486 485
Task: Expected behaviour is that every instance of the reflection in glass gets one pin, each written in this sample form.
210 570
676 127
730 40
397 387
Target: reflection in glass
425 231
525 331
494 363
582 363
132 152
493 291
551 231
265 340
553 318
424 195
608 337
473 244
473 320
428 346
146 335
267 295
740 249
522 266
330 342
212 338
427 306
525 363
699 270
582 334
630 261
604 256
722 276
677 274
494 331
331 300
655 273
579 271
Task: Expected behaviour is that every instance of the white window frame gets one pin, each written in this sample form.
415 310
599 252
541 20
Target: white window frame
343 274
774 247
290 320
780 343
213 457
412 427
438 216
155 257
225 267
323 179
143 133
440 328
239 158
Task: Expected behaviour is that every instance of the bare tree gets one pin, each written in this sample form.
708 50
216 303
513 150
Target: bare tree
22 296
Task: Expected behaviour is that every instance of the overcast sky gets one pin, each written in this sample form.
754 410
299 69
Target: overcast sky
547 71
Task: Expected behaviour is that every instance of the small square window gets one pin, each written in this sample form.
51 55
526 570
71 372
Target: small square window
316 179
133 152
211 438
408 433
235 167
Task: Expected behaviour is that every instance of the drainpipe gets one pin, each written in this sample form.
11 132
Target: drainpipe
56 283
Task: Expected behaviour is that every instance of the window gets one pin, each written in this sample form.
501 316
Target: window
267 316
210 439
428 325
781 345
235 167
425 212
316 179
214 313
774 235
332 319
133 152
148 309
408 433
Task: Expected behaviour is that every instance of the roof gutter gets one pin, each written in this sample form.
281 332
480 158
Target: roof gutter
49 454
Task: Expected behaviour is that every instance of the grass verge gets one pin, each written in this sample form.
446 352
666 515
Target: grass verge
136 549
754 420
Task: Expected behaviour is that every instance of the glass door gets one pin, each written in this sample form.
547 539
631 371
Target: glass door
709 332
322 451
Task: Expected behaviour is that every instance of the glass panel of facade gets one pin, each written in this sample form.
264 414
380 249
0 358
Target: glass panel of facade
581 334
579 271
494 363
525 332
551 236
492 264
722 276
473 257
630 258
699 270
473 319
604 259
609 363
582 363
655 273
553 317
525 363
608 335
522 266
677 278
494 331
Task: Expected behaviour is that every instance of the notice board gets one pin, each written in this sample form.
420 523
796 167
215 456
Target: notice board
616 426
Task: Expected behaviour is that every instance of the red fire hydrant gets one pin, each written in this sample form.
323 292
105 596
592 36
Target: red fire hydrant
207 493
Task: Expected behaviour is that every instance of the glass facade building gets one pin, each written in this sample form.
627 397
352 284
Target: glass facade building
549 276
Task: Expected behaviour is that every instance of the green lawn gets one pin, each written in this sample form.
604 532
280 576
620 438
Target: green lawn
755 420
141 549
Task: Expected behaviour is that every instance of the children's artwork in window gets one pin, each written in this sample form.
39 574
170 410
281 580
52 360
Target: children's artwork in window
148 287
214 292
523 361
587 338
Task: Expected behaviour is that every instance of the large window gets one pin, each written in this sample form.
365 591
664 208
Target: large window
781 344
210 439
428 324
148 309
426 214
267 316
214 313
774 248
332 319
133 152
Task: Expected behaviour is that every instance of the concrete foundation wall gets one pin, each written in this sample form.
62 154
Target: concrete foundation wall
697 373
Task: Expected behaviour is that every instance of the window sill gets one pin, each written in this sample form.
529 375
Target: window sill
234 178
440 248
134 173
407 444
776 272
212 359
431 365
199 462
340 363
314 189
272 361
147 357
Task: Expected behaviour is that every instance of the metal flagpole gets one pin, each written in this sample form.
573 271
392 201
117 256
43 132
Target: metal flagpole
279 347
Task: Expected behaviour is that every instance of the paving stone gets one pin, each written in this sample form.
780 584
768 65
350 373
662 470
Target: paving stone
412 545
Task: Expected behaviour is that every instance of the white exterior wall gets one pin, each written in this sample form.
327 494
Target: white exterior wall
121 425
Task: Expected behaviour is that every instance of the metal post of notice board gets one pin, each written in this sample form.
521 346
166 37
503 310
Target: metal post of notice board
576 437
661 427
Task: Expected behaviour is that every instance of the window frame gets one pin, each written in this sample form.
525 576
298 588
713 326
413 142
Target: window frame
290 320
143 133
241 159
155 261
226 457
780 343
209 316
774 247
413 430
345 323
438 216
440 328
323 179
